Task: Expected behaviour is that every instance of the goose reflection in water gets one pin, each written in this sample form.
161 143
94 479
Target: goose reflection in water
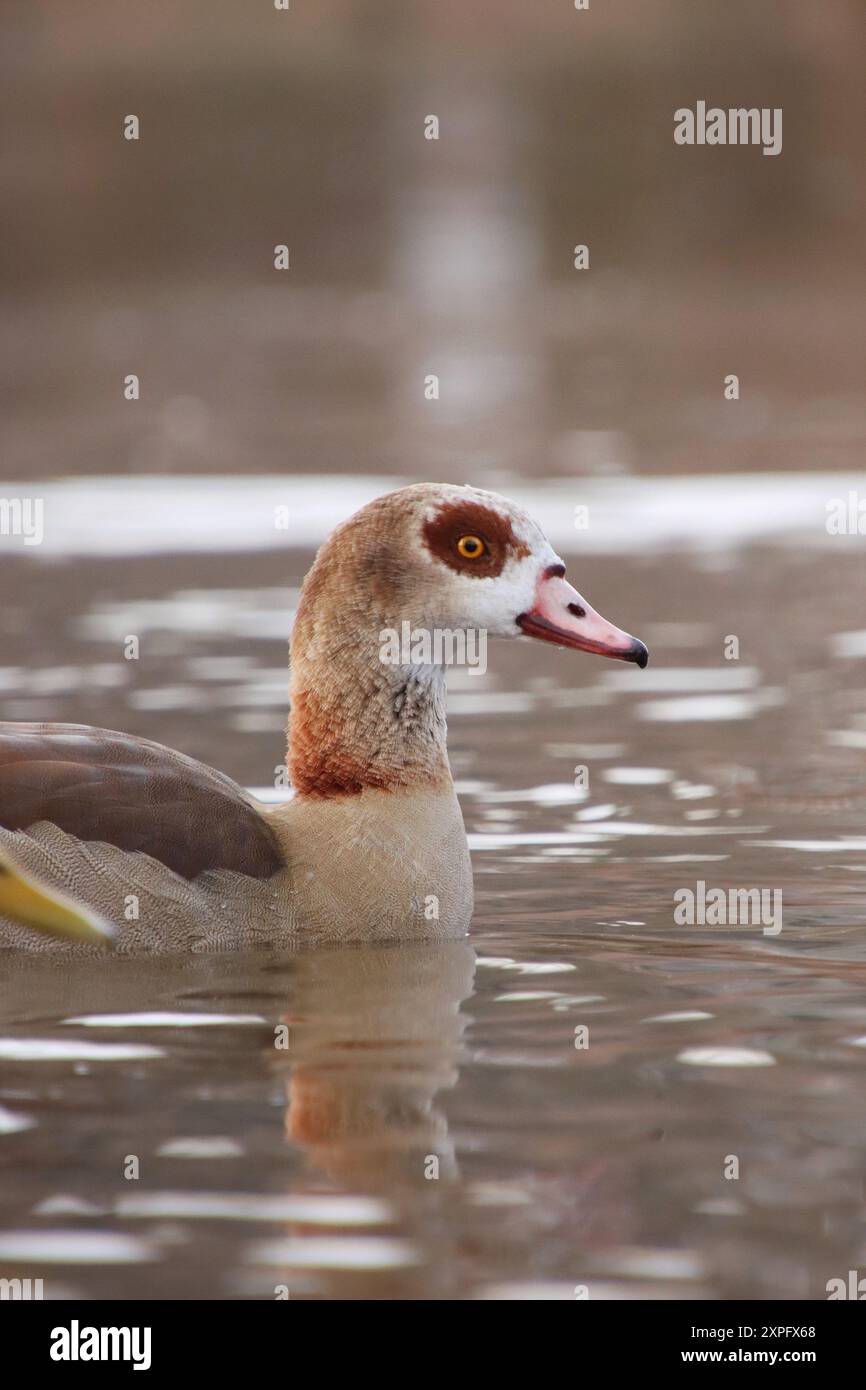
374 1036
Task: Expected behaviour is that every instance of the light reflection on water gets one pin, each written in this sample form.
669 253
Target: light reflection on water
557 1166
707 518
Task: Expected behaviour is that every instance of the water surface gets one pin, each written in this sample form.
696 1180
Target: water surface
415 1120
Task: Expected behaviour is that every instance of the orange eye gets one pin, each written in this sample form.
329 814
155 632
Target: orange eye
471 547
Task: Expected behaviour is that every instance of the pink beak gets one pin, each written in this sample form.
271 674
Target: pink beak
561 616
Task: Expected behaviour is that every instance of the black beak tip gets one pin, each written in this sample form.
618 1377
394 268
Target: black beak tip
639 654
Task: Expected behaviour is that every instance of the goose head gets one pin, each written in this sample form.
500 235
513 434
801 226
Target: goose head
486 563
433 557
439 555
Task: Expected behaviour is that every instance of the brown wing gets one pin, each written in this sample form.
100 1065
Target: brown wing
100 785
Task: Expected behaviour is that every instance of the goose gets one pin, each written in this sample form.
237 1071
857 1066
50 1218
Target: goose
104 835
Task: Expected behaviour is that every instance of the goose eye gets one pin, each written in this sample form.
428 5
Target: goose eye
471 547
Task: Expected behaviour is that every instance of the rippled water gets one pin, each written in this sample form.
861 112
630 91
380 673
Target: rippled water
310 1166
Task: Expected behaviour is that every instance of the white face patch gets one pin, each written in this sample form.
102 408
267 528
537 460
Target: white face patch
492 603
495 604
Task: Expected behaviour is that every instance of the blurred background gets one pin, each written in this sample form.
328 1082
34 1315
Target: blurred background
411 256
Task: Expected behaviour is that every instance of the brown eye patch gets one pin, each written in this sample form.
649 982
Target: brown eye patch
455 521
